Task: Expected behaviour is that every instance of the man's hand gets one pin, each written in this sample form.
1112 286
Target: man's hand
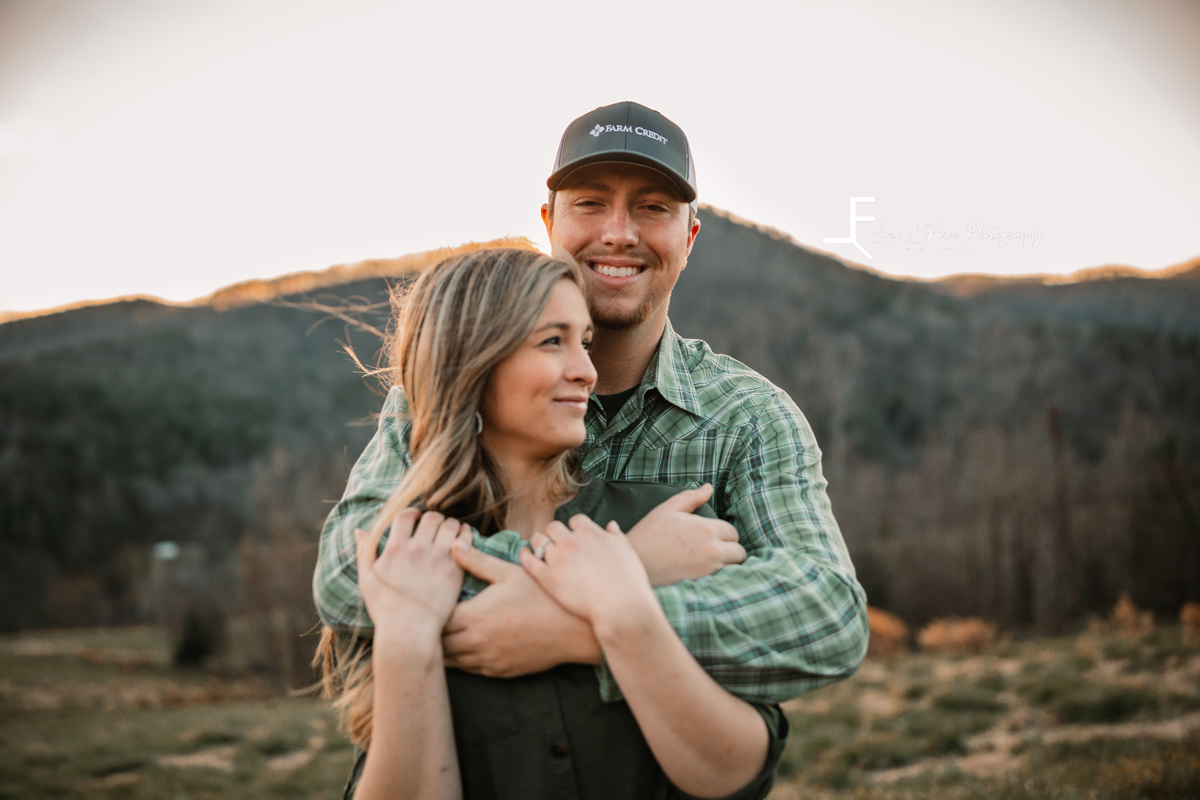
675 544
512 627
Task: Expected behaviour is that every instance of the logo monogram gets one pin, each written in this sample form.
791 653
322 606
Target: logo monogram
639 130
854 220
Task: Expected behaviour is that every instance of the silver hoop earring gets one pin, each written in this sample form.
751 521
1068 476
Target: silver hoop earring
478 423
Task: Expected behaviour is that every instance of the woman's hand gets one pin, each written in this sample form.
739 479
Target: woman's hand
415 582
675 544
410 590
591 571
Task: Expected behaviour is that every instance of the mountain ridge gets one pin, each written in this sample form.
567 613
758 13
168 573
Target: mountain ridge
254 290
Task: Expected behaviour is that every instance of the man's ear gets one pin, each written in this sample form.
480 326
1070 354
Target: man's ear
546 217
692 234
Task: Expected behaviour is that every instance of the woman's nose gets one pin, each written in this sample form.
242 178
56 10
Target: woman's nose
581 368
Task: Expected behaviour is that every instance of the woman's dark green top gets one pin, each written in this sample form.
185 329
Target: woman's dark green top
549 735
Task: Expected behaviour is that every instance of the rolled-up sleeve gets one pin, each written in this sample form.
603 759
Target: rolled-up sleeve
793 616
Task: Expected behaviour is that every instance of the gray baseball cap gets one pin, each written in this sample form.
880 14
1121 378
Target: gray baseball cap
630 133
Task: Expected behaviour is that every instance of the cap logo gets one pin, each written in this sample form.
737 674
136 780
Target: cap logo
639 130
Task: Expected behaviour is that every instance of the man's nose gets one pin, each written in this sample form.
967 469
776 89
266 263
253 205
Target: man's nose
620 229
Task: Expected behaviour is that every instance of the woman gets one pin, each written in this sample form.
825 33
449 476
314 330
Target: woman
496 403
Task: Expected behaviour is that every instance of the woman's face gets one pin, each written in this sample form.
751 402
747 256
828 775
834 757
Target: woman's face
535 400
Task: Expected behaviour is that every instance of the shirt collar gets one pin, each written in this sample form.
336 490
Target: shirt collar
669 374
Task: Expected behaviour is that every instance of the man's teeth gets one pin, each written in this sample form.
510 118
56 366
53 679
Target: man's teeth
615 272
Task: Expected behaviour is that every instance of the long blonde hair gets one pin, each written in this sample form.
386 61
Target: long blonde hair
459 319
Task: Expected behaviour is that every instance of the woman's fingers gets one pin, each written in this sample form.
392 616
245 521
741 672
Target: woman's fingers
541 545
402 525
364 551
447 532
428 526
536 567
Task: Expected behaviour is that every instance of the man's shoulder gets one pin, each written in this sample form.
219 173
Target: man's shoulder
725 387
395 408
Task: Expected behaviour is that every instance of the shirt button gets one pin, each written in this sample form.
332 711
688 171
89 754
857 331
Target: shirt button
558 750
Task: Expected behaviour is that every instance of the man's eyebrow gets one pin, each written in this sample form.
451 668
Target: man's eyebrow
655 189
649 188
596 186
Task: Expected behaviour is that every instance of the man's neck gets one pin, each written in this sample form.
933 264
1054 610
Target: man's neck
622 356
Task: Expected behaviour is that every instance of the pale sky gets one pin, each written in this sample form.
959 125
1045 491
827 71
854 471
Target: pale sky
171 148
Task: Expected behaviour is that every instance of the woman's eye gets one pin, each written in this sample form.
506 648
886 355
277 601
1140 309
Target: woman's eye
553 340
587 345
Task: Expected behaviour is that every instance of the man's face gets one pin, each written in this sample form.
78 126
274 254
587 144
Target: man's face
628 229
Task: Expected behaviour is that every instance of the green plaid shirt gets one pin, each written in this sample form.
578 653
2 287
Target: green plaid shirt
790 619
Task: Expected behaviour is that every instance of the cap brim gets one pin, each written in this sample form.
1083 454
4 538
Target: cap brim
622 157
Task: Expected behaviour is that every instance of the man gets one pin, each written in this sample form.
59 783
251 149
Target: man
790 618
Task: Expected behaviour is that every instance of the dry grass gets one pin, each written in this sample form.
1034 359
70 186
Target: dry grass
1030 718
1131 620
1098 715
103 714
889 634
954 635
1189 623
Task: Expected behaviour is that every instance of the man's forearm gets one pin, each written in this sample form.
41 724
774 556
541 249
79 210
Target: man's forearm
769 629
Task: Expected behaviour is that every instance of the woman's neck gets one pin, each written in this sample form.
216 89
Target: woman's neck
531 506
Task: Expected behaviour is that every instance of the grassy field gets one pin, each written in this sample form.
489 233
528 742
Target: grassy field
102 714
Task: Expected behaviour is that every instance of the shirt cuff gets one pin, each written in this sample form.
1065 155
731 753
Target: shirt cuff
777 734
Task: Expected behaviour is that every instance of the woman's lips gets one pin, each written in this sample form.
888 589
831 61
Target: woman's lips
575 403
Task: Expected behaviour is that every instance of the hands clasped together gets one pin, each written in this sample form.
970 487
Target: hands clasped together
587 576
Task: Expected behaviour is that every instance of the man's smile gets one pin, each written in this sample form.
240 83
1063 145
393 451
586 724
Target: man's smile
616 269
616 272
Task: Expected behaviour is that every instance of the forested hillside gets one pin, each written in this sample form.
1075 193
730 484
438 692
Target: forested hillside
1024 452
